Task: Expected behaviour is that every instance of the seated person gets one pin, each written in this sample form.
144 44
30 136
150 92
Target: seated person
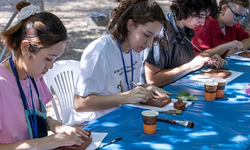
36 41
245 23
111 64
225 29
165 65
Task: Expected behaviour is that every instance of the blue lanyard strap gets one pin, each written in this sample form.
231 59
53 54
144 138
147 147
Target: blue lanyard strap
169 17
34 111
25 103
124 67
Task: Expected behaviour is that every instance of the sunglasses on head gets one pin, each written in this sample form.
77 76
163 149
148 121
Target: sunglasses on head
238 17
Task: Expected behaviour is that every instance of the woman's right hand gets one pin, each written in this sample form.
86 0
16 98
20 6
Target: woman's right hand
61 139
199 61
138 94
217 61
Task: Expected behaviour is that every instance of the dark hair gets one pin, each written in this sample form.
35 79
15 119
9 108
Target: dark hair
244 3
42 30
140 11
184 9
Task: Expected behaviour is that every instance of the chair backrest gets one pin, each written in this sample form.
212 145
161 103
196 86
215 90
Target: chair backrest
62 79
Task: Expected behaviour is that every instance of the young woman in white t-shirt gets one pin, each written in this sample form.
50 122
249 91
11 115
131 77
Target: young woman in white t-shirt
106 77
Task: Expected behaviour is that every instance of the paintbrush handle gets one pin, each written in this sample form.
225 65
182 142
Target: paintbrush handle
182 123
166 120
157 100
175 112
113 141
193 44
134 84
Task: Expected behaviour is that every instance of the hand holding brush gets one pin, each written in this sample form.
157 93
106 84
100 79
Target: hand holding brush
138 85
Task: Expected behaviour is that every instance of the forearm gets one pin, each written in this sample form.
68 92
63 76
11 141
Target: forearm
98 102
246 44
220 50
34 144
53 124
167 76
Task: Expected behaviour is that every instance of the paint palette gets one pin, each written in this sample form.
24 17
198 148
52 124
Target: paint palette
244 54
163 101
218 73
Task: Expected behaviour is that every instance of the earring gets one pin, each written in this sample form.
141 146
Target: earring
24 53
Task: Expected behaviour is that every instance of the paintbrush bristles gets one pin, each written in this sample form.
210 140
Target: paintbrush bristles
190 125
177 112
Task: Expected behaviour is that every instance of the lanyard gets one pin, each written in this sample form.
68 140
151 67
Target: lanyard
124 67
169 18
25 103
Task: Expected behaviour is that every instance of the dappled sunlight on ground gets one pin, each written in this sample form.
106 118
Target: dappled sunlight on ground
73 15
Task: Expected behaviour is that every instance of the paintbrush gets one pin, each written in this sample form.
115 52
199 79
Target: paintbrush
201 52
193 44
111 142
176 112
138 85
182 123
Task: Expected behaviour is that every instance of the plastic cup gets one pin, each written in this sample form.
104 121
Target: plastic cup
221 87
210 90
150 121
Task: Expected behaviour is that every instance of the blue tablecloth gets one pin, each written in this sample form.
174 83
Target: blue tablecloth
220 124
238 65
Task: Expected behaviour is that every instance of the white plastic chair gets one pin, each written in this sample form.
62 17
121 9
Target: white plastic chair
62 79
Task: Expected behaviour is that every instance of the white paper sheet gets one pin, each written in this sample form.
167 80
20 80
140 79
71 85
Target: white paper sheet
97 139
170 106
200 79
203 78
237 57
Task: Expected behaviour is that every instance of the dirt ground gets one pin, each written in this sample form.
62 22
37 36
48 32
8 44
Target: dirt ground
73 14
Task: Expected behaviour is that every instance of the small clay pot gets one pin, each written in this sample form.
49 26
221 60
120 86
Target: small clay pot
180 105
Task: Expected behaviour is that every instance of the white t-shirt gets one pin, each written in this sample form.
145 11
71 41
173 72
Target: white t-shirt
101 72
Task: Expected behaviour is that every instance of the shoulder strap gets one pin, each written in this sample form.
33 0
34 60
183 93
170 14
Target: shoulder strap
34 83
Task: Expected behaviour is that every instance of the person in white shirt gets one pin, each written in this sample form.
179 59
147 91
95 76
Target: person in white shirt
111 64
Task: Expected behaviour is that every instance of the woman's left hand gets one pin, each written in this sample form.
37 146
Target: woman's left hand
158 91
58 127
72 129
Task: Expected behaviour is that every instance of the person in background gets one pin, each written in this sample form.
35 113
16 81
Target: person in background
224 30
36 41
245 23
163 66
110 66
